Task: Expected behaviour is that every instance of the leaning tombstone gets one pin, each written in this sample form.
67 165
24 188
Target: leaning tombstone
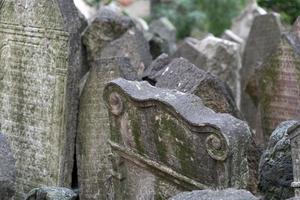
165 30
40 58
183 76
93 128
7 170
276 168
131 44
220 57
231 36
263 39
52 193
165 142
105 27
278 83
241 25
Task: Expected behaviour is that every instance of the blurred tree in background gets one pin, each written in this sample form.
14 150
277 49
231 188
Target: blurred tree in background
92 2
288 9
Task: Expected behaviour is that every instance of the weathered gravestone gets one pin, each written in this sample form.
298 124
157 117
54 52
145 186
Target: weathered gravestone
165 30
228 194
105 27
93 129
7 170
275 168
183 76
165 141
51 193
131 44
278 83
241 25
220 57
40 59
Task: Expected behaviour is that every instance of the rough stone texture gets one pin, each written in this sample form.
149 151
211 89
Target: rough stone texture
294 133
263 39
133 45
183 76
275 168
220 57
242 24
228 194
165 30
231 36
165 141
155 68
93 129
279 84
51 193
40 58
7 170
105 27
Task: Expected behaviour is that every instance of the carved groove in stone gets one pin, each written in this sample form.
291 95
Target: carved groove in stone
116 104
216 147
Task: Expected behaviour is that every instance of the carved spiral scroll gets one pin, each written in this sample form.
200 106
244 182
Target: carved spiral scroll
216 147
115 103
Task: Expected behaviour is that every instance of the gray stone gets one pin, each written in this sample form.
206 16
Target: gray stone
228 194
156 66
241 25
157 44
93 128
165 30
215 55
51 193
231 36
7 170
275 168
40 58
133 45
165 142
278 84
105 27
263 39
183 76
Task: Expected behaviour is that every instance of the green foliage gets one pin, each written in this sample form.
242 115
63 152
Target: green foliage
288 9
206 15
92 2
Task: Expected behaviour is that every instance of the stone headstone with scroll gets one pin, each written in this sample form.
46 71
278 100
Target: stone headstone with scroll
165 141
40 59
93 128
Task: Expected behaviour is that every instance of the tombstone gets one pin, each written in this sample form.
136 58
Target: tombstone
51 193
165 142
231 36
93 128
220 57
227 194
40 58
105 27
276 168
183 76
278 84
165 30
294 134
131 44
241 25
7 170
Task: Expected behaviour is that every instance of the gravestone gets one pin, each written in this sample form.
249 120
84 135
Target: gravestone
51 193
276 168
278 83
294 134
165 30
218 56
131 44
263 39
227 194
165 142
40 58
231 36
183 76
7 170
93 129
105 27
241 25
